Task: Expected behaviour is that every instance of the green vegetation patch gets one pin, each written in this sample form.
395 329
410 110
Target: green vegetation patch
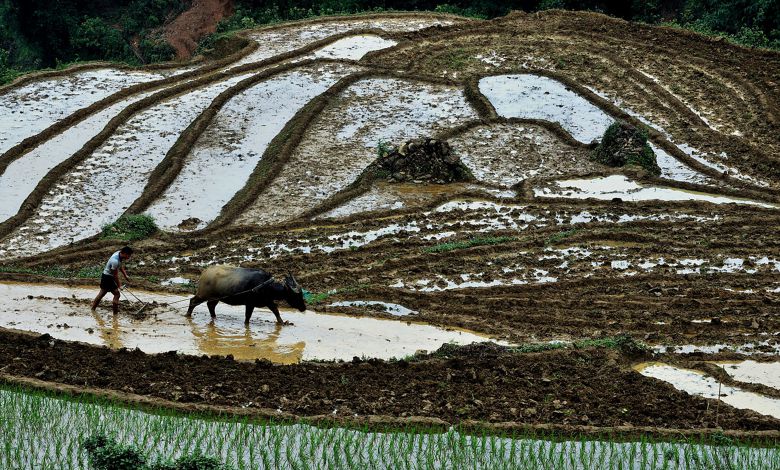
130 227
471 242
314 298
106 454
55 271
624 144
560 236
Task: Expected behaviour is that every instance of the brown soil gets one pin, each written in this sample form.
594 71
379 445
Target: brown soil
191 26
480 382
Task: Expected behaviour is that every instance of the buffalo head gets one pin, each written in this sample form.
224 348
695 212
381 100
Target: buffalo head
294 293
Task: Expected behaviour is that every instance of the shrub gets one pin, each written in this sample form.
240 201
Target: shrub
155 49
96 39
130 227
624 144
107 454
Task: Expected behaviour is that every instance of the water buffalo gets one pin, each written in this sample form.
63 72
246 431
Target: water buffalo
249 287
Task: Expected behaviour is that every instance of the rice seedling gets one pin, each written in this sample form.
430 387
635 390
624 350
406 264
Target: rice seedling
41 430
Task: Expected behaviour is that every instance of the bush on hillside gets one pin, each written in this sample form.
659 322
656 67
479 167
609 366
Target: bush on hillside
624 144
130 227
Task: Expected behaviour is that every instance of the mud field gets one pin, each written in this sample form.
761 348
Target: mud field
603 297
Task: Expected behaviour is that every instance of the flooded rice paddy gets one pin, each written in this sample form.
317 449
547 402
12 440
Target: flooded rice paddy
697 383
619 186
64 313
536 97
27 110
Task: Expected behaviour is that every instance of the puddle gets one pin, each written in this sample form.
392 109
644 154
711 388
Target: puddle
696 383
764 373
392 309
708 159
353 47
223 158
281 40
64 313
748 349
175 281
673 169
114 176
348 132
32 108
618 186
23 175
536 97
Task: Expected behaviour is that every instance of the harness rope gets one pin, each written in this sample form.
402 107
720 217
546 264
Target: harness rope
254 289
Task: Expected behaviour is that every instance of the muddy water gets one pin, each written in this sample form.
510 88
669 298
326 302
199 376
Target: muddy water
229 150
23 175
348 131
64 313
79 204
764 373
27 110
536 97
294 36
618 186
696 383
504 154
353 48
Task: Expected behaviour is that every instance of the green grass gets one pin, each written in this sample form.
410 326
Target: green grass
42 430
315 298
130 227
560 236
56 271
471 242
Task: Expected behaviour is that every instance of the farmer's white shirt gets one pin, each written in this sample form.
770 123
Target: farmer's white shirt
114 263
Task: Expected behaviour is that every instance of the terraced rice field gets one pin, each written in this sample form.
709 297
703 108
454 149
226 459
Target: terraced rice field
565 267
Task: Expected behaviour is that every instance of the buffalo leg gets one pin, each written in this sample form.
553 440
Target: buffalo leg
249 310
275 309
194 302
212 305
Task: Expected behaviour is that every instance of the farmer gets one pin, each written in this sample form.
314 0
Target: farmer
109 281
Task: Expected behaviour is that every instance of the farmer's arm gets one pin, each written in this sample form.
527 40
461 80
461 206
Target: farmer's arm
125 273
116 279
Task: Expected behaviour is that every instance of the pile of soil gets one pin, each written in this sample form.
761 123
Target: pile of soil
198 21
421 160
594 387
624 144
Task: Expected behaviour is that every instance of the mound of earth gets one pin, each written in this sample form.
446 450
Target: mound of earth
421 160
198 21
624 144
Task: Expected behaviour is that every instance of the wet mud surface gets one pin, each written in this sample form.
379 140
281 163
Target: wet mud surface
569 387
